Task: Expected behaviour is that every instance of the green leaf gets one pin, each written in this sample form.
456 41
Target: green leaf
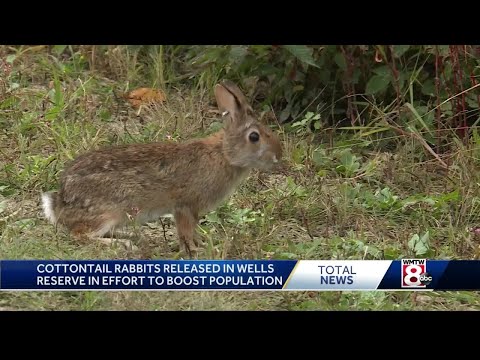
383 70
472 100
349 164
399 50
237 53
285 114
261 49
413 241
302 53
297 88
322 173
419 118
58 92
324 75
213 218
428 87
447 71
14 86
25 223
287 255
309 115
58 49
215 126
105 115
386 192
3 206
424 239
419 245
11 58
376 84
298 155
340 60
347 158
319 157
391 253
421 248
356 76
443 50
402 79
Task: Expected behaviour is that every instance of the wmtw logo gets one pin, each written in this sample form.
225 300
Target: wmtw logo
414 273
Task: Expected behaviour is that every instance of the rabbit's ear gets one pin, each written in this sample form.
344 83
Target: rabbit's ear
235 90
226 101
230 99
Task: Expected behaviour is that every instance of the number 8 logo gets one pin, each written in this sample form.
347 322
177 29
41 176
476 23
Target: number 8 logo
412 273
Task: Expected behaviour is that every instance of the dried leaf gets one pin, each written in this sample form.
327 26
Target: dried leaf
145 96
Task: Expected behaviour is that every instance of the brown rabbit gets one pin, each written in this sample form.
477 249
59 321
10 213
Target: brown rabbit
102 189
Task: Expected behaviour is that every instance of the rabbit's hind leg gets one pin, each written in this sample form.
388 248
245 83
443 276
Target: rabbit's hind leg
101 228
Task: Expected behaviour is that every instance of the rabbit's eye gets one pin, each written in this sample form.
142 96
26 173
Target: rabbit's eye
254 136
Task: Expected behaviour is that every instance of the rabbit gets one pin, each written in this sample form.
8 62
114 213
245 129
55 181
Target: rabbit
101 190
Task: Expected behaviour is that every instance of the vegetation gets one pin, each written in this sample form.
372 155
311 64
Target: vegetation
381 160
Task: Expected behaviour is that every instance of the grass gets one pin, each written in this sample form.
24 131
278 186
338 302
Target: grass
340 197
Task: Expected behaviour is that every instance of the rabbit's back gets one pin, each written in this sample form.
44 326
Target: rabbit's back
154 178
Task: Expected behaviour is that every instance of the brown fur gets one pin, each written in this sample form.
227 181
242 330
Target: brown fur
103 189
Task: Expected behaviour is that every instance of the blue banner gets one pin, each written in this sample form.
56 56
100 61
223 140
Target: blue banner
289 275
143 275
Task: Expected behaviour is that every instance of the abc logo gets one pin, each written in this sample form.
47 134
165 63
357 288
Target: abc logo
425 278
414 273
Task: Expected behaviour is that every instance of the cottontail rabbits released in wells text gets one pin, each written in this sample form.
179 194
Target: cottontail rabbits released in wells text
101 190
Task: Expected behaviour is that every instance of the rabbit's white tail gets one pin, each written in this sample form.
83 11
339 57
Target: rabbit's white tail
48 206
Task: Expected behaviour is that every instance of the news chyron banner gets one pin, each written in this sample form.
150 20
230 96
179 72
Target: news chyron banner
245 275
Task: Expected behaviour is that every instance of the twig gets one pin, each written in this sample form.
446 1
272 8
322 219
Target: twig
452 97
305 222
422 141
438 63
164 231
10 216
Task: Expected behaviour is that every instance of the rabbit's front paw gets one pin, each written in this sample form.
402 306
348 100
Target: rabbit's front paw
189 246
